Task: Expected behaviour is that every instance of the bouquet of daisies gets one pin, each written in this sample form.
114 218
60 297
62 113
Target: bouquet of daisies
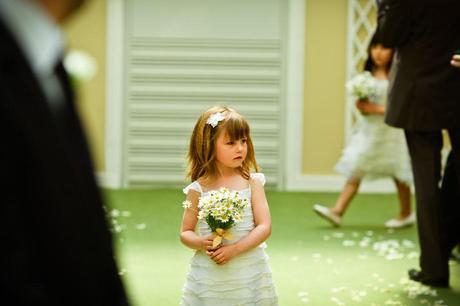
362 86
221 209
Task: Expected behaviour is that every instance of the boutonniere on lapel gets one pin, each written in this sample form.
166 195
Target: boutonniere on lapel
80 66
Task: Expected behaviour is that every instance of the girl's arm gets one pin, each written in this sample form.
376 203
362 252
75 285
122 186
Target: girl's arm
259 234
189 220
370 108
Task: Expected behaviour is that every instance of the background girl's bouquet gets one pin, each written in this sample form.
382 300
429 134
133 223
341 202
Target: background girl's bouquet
362 86
221 209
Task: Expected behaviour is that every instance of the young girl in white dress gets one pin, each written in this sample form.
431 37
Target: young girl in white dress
221 154
375 150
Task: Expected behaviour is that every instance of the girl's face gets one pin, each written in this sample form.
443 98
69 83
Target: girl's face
229 153
380 55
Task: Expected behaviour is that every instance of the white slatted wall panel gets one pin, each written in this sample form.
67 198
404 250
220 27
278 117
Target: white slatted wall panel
171 81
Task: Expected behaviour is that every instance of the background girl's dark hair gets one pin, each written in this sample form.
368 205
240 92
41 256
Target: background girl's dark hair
369 65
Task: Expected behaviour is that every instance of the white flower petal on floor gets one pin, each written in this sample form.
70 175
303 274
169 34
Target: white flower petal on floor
316 256
337 301
338 235
358 295
414 289
115 213
141 226
393 302
338 289
122 271
408 244
365 242
348 243
303 296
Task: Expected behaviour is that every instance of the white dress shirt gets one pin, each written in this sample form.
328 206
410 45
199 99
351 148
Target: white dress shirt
41 40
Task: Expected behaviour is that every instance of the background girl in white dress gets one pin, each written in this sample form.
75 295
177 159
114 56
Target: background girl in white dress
375 150
221 154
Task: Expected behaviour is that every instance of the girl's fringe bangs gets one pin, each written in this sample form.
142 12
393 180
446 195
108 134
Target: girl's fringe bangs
236 127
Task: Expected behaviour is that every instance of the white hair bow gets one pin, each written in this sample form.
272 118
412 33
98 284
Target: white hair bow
214 119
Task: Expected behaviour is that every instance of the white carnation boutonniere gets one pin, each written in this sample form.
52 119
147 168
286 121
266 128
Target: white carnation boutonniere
80 65
214 119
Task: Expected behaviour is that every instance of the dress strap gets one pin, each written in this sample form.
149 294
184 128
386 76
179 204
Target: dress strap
193 186
259 177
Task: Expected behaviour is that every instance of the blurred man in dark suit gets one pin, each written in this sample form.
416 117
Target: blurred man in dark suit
56 246
423 100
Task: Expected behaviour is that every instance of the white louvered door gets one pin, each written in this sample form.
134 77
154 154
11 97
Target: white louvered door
183 56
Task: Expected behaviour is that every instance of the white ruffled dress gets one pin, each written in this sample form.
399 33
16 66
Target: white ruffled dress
376 150
244 280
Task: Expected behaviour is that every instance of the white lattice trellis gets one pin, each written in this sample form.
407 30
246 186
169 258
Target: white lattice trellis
362 20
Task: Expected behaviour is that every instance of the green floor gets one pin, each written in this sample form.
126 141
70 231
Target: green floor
360 263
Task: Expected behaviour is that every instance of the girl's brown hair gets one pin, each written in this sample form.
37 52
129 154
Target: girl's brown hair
201 154
369 64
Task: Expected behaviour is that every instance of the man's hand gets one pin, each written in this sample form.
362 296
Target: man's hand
455 61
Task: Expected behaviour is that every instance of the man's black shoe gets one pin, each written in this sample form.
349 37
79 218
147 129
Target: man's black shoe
420 277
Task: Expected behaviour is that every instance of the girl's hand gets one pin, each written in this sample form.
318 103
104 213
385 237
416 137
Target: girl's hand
367 108
206 243
224 254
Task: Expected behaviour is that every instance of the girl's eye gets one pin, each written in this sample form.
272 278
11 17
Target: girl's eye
230 142
244 140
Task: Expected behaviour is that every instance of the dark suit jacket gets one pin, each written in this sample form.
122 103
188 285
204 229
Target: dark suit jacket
425 91
56 246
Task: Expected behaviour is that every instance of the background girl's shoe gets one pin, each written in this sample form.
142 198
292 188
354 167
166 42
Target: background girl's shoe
327 214
400 223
